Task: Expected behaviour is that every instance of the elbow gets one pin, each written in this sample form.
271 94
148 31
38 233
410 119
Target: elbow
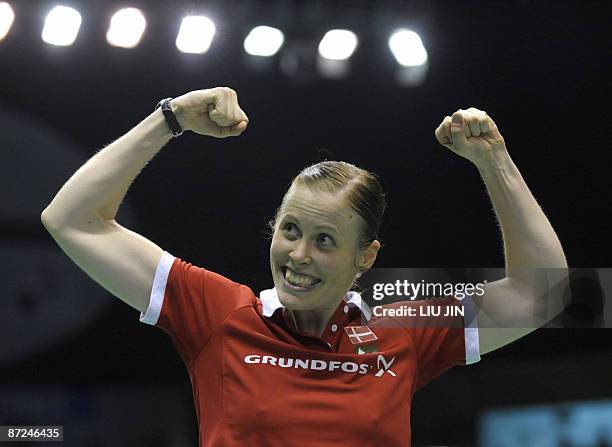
55 222
44 217
560 261
48 221
560 255
52 221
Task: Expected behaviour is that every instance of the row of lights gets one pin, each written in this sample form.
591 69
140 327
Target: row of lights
196 33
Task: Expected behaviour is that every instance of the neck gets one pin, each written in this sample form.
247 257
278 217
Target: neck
312 321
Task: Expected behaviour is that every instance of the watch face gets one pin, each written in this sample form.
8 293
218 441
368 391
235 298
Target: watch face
164 104
171 120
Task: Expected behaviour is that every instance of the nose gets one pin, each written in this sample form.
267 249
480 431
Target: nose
300 252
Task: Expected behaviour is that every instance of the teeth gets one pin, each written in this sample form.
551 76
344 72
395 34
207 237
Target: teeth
299 280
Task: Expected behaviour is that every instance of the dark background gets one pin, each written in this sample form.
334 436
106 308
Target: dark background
541 70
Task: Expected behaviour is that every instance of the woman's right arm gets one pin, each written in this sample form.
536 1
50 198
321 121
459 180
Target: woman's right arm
81 217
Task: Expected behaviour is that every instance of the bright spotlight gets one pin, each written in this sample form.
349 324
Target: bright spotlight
338 44
195 35
263 41
6 19
126 28
61 26
407 48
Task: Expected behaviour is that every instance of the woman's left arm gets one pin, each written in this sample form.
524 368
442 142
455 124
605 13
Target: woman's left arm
531 294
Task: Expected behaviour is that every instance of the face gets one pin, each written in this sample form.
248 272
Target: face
315 254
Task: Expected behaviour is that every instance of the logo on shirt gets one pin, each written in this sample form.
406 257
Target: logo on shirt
323 365
384 366
366 349
360 334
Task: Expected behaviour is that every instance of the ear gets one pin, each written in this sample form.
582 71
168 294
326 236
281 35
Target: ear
369 256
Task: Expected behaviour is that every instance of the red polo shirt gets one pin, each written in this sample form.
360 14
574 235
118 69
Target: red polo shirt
259 382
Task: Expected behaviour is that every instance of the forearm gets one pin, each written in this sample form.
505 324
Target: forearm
529 239
96 189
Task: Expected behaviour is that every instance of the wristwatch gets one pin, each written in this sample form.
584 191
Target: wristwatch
171 120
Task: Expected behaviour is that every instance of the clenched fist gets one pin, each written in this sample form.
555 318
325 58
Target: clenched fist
470 133
213 112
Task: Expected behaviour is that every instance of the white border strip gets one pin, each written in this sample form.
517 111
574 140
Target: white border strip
269 301
353 297
158 290
472 344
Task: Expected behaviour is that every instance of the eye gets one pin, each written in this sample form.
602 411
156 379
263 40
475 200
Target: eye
290 229
325 240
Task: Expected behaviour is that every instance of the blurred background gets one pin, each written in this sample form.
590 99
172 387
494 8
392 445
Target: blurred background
363 81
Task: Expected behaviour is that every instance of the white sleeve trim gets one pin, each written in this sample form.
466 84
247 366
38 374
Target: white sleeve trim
158 290
472 345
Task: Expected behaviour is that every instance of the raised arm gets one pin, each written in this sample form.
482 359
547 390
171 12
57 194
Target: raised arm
536 270
81 217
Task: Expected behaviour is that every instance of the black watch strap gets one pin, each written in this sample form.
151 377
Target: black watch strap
171 120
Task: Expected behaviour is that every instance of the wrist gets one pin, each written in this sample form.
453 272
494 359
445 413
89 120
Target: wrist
162 130
493 160
177 110
171 120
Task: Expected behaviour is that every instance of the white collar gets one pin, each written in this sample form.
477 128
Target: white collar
270 302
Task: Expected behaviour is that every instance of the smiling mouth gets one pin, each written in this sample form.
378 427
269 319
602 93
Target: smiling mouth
297 281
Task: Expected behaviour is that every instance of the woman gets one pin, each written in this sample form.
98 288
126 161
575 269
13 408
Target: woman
305 363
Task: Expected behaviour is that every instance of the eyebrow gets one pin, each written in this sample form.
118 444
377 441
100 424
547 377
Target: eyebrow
320 226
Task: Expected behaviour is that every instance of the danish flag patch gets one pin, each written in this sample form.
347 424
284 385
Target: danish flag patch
360 334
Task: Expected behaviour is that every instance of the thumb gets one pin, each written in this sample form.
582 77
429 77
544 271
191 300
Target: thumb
458 130
229 131
238 128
